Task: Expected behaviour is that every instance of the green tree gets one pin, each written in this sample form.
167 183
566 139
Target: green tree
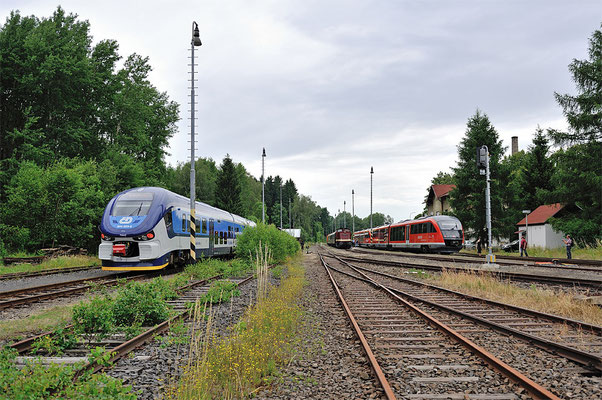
578 176
537 172
468 198
227 194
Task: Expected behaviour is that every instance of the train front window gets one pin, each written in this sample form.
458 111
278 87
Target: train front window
132 204
450 228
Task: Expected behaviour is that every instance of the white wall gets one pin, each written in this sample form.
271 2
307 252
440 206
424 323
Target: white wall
544 236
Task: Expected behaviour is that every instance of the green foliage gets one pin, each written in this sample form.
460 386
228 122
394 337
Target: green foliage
468 198
220 291
142 303
577 181
227 195
583 111
75 130
177 335
94 317
211 267
281 244
38 381
56 343
134 305
537 172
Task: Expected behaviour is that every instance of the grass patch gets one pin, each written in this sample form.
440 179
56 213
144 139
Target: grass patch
53 263
220 291
44 321
207 268
235 365
544 300
585 253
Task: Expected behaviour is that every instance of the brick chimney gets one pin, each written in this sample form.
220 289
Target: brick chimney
514 145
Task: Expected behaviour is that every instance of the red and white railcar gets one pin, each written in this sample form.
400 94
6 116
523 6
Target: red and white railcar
436 234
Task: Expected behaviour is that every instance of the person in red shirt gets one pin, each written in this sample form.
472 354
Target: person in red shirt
523 247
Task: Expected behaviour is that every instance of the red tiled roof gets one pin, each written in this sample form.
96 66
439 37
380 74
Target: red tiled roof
442 190
542 214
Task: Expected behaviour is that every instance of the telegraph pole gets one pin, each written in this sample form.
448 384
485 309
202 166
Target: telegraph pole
344 216
263 187
371 174
196 41
352 211
280 205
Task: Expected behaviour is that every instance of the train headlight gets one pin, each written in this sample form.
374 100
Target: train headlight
148 236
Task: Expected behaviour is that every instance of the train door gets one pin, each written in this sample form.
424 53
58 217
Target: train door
211 237
407 228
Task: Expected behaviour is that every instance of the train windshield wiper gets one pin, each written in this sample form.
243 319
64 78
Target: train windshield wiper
138 211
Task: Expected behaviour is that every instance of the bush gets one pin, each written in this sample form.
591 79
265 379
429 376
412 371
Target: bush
94 317
280 244
142 303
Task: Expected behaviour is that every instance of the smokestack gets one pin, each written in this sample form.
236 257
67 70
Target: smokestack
514 145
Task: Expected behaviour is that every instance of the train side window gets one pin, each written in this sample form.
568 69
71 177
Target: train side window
204 224
216 235
431 228
183 222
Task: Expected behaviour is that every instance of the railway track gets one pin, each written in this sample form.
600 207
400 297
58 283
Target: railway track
573 281
418 356
19 297
538 262
116 345
575 340
53 271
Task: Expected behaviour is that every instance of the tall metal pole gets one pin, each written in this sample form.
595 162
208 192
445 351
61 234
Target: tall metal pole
490 257
352 211
196 41
263 187
371 174
338 214
290 226
280 205
344 216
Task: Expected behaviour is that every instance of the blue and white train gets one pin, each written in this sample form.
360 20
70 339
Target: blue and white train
147 228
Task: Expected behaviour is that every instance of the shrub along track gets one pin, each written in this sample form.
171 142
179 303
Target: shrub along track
117 347
388 328
580 281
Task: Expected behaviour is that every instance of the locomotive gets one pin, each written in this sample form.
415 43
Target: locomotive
147 228
436 234
341 238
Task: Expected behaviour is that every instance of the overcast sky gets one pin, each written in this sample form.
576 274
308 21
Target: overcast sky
331 88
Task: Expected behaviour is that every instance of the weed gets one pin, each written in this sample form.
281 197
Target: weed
36 381
234 365
220 291
56 343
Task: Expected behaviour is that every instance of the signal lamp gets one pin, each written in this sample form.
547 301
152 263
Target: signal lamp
150 235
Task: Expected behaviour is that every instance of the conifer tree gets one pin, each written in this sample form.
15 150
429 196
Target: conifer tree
577 181
468 198
227 192
537 172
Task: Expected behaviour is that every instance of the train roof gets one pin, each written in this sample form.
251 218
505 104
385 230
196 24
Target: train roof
162 200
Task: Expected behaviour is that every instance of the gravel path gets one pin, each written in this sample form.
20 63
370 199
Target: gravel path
331 363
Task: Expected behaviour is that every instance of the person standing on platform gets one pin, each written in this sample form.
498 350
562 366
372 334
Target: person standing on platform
479 246
523 246
569 243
